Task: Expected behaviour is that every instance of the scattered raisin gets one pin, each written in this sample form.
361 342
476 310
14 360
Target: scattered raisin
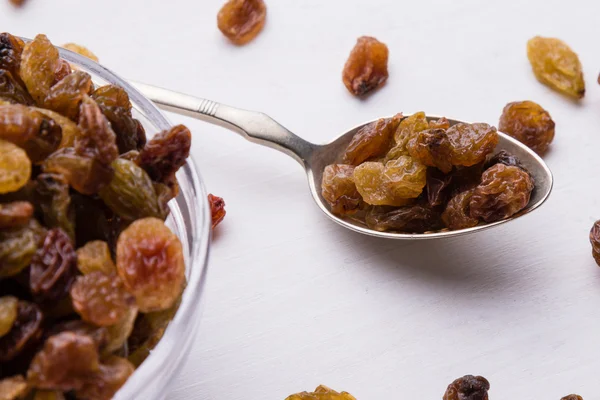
81 50
66 362
112 374
66 96
321 393
338 189
8 313
15 167
150 262
367 66
17 247
13 388
165 153
26 331
242 20
95 256
12 91
457 213
15 214
410 219
217 209
503 191
101 299
468 387
53 197
595 241
372 140
572 397
53 267
529 123
11 50
130 193
38 64
556 65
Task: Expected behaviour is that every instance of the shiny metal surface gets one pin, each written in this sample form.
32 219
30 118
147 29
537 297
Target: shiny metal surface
262 129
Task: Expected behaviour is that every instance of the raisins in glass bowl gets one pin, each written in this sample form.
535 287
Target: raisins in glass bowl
242 20
95 256
468 387
529 123
367 66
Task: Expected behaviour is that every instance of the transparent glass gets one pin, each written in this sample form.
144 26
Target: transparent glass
190 220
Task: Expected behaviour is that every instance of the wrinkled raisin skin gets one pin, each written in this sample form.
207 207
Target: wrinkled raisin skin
53 267
12 91
339 190
66 96
457 212
101 299
217 209
242 20
572 397
409 219
54 199
432 148
18 246
372 140
165 153
112 374
529 123
367 66
39 62
25 332
468 387
95 256
595 241
98 140
471 143
503 191
438 185
321 393
15 167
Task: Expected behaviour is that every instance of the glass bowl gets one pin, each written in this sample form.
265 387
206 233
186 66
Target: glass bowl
190 219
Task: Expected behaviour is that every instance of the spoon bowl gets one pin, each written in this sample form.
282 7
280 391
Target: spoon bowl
261 129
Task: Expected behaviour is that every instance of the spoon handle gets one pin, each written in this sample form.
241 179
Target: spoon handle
255 126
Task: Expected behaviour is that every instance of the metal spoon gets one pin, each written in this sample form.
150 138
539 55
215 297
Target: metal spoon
261 129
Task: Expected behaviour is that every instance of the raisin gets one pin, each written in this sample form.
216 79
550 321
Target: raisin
97 140
8 313
572 397
13 388
165 153
15 214
69 129
150 262
81 50
103 385
217 209
12 91
367 66
164 194
15 167
468 387
100 298
63 69
52 194
338 189
119 332
17 247
372 140
321 393
595 241
38 64
441 123
432 148
242 20
95 256
408 128
66 362
25 332
11 50
529 123
503 191
471 143
556 65
53 267
466 178
457 213
410 219
438 185
130 193
99 334
17 3
503 157
116 107
84 174
66 96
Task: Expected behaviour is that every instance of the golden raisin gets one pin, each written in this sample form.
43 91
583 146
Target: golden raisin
556 65
97 140
13 388
15 167
38 65
103 385
321 393
529 123
8 313
18 245
407 129
372 140
101 299
339 190
471 143
81 50
70 130
468 387
217 209
457 212
65 97
572 397
367 66
150 262
95 256
242 20
119 332
431 147
15 214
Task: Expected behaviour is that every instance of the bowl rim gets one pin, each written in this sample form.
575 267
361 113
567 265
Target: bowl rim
156 371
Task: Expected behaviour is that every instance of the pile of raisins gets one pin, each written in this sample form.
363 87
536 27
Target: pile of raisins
408 174
90 275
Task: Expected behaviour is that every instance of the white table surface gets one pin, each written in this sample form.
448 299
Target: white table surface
292 299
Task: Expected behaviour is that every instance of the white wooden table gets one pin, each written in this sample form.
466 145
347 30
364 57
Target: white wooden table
293 300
